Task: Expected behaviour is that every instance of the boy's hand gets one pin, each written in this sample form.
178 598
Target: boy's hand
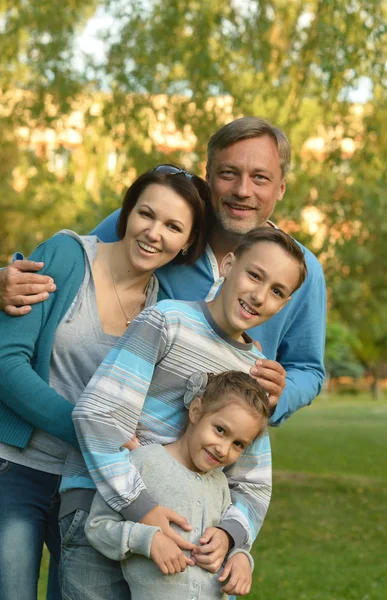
272 376
211 554
161 516
21 288
238 570
167 555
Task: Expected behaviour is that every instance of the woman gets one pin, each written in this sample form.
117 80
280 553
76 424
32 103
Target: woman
48 358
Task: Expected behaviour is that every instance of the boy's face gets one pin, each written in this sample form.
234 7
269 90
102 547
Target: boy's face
257 285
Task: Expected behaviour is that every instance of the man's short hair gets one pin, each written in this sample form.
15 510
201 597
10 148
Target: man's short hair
246 128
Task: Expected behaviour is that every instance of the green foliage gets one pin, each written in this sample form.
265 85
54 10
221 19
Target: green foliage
340 358
183 68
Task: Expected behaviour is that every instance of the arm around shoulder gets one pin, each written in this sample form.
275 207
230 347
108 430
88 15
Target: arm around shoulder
301 351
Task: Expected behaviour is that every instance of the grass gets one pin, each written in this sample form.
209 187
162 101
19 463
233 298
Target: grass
324 536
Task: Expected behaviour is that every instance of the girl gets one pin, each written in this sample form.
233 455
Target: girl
226 413
47 359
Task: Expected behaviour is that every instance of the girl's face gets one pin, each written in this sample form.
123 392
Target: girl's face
158 228
218 439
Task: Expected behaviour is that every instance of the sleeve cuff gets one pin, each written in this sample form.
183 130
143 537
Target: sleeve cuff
139 507
141 538
238 550
235 530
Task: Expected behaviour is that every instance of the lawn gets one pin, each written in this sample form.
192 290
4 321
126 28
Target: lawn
325 534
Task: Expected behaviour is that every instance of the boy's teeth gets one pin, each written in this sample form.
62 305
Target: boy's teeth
147 248
246 308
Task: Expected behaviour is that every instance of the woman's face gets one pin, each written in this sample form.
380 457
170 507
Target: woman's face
158 228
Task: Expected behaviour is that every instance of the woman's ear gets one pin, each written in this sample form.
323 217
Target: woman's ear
195 410
226 264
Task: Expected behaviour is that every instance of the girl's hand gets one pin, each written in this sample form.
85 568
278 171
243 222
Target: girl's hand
238 570
167 555
215 543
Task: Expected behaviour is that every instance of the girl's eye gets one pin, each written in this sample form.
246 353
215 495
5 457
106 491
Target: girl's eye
144 213
239 445
219 429
253 275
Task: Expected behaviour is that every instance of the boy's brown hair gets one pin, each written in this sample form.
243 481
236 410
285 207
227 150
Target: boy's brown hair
279 237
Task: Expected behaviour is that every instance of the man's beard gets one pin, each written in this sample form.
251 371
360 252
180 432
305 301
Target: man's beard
235 228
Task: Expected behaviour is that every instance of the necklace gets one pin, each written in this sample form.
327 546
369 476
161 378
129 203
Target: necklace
127 317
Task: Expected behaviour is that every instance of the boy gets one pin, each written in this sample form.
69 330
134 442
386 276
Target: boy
140 385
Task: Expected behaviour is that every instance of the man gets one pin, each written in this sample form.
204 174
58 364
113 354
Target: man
247 163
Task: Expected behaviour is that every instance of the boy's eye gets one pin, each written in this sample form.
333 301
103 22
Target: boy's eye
219 429
278 292
253 275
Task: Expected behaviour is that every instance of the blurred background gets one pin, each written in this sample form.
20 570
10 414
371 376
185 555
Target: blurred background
93 93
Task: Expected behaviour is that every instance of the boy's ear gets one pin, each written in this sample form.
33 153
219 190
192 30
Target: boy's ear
226 264
284 304
195 410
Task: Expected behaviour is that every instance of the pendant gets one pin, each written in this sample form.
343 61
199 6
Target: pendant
127 322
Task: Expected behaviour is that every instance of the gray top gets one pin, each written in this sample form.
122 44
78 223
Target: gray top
201 498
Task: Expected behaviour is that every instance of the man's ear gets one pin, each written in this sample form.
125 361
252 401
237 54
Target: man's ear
226 264
282 189
195 410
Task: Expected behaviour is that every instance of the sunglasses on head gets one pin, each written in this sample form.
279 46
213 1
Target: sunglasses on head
172 170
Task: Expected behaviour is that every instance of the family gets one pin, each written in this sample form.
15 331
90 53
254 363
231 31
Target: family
184 325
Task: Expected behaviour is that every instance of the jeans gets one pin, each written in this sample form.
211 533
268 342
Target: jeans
29 506
86 574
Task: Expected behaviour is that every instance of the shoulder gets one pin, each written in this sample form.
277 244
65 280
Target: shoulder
177 307
314 267
61 245
149 455
63 256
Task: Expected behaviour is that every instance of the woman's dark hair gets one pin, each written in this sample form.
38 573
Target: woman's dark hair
194 190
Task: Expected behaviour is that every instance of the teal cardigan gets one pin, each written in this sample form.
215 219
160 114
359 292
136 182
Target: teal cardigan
26 399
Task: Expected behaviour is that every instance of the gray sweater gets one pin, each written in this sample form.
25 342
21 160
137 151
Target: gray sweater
202 499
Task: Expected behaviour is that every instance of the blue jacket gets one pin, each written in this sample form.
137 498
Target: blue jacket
295 337
26 399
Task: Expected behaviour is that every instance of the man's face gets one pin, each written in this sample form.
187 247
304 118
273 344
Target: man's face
246 182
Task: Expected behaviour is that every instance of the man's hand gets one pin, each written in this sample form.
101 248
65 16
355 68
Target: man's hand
19 287
161 516
215 543
272 376
167 555
238 570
